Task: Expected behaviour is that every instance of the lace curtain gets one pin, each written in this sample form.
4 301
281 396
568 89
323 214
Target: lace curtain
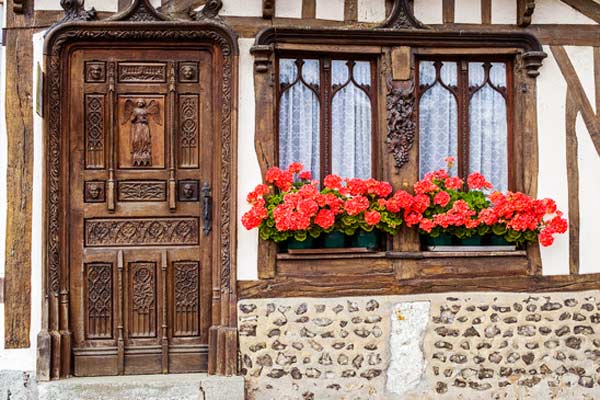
299 114
438 116
487 118
351 119
488 147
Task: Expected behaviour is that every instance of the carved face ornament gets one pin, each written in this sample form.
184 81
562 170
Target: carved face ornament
188 190
94 190
188 72
96 72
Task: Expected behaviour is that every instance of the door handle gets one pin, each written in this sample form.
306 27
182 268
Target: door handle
206 208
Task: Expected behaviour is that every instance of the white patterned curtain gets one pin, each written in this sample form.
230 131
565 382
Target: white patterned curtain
488 147
351 119
438 116
299 114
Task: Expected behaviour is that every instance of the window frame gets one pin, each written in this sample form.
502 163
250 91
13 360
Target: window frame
463 97
326 96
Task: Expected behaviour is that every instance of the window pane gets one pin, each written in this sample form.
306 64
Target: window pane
438 116
488 131
299 113
351 119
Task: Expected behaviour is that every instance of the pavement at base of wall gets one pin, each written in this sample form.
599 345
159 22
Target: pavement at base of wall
21 385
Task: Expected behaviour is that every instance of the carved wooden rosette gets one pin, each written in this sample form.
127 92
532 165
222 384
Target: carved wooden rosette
131 26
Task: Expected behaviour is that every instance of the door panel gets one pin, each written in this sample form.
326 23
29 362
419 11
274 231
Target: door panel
140 160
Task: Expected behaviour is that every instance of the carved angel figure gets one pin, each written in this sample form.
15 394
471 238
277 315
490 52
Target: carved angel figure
138 113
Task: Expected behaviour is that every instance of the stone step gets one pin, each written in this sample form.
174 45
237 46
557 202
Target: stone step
145 387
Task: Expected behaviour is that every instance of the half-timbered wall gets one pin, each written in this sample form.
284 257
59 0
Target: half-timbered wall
568 97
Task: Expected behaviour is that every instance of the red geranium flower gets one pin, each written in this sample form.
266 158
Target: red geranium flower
356 205
441 199
305 175
295 167
332 182
478 181
325 218
453 182
372 217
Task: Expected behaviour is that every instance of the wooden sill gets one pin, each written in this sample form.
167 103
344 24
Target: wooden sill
404 265
362 253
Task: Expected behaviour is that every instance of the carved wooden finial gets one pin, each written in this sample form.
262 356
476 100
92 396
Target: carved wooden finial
140 11
209 11
402 17
75 11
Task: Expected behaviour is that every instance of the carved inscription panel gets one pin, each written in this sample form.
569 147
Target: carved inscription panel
142 72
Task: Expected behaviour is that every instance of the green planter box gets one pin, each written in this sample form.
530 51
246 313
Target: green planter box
472 241
366 239
334 240
496 240
308 243
442 240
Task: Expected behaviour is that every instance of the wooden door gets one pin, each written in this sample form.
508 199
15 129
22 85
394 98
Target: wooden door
140 167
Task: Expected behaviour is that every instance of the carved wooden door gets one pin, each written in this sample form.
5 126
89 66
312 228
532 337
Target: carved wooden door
140 174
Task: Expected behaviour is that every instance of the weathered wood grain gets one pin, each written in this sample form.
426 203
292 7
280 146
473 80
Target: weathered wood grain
448 11
486 11
351 10
572 182
19 125
309 8
341 286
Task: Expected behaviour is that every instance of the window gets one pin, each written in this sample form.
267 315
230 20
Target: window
326 118
465 112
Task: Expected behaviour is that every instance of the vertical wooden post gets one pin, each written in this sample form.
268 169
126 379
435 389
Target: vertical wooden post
19 130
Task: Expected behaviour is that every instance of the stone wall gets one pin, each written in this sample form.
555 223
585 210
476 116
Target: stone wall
468 346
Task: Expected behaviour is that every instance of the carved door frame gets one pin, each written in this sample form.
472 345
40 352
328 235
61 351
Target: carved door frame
139 23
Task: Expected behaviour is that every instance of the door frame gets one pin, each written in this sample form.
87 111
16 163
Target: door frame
139 24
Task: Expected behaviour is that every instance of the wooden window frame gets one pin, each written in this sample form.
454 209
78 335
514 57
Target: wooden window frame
326 96
397 147
463 98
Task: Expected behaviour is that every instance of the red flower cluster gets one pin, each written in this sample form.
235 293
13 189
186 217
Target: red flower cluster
440 202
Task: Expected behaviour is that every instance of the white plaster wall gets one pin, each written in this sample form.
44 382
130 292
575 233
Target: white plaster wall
242 8
248 169
371 10
467 11
582 58
288 9
552 178
557 12
99 5
330 9
504 12
589 191
25 359
429 11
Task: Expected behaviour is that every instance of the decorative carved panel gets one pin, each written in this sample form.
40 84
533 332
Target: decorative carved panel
142 191
94 131
95 192
188 72
99 294
186 284
142 300
142 72
141 231
188 131
141 131
401 122
95 71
